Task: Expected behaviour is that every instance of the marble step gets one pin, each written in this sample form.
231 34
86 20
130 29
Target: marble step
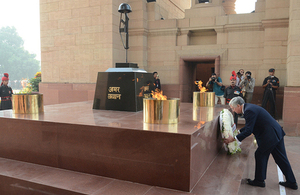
224 176
24 178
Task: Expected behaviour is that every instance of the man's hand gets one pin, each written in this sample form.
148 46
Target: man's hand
229 139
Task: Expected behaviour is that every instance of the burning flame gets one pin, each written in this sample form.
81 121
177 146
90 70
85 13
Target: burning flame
199 84
157 94
141 94
198 126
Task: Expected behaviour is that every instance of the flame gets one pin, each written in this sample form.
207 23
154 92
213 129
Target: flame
198 126
141 94
144 89
199 84
157 94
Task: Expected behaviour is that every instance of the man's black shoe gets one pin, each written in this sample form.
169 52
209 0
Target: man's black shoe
293 186
256 183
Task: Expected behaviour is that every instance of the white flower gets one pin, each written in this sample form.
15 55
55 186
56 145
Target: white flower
228 128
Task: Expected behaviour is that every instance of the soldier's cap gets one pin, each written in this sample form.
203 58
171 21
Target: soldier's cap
271 70
5 78
233 75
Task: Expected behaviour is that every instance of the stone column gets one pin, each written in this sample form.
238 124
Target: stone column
229 6
217 65
291 104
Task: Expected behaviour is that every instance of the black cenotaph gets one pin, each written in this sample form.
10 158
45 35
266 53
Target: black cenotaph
123 88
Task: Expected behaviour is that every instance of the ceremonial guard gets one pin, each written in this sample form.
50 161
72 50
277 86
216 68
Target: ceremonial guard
5 94
233 91
271 84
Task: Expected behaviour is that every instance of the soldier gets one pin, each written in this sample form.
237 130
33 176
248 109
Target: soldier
5 94
271 84
233 91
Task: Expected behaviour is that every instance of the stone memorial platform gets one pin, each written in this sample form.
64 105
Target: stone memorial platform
115 144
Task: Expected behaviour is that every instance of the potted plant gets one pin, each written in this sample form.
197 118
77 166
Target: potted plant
29 100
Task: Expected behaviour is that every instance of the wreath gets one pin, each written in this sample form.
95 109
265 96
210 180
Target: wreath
228 127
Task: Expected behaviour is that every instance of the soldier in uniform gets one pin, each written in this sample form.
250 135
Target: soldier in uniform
271 84
5 94
233 91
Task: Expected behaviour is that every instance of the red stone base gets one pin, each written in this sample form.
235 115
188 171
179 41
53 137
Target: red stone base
115 144
291 111
59 93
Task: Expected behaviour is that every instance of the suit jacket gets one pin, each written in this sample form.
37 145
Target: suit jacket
266 129
157 84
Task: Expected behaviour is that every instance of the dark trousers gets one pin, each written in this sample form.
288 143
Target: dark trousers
5 105
269 96
236 117
279 154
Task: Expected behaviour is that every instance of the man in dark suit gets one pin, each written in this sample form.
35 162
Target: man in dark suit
269 136
156 81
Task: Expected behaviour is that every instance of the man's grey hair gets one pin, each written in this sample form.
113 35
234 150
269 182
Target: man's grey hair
236 101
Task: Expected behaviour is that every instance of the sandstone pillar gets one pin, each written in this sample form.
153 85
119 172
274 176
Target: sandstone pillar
291 105
229 6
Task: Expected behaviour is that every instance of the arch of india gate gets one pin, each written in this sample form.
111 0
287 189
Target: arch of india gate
184 41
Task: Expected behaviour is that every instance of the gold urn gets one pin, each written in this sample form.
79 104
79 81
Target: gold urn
203 99
27 103
161 111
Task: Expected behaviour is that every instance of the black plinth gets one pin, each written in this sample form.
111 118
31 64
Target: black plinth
126 65
123 91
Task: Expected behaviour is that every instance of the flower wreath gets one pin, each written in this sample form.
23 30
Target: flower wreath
228 127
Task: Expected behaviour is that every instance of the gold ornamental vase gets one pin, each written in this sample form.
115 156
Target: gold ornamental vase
161 111
203 99
27 103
